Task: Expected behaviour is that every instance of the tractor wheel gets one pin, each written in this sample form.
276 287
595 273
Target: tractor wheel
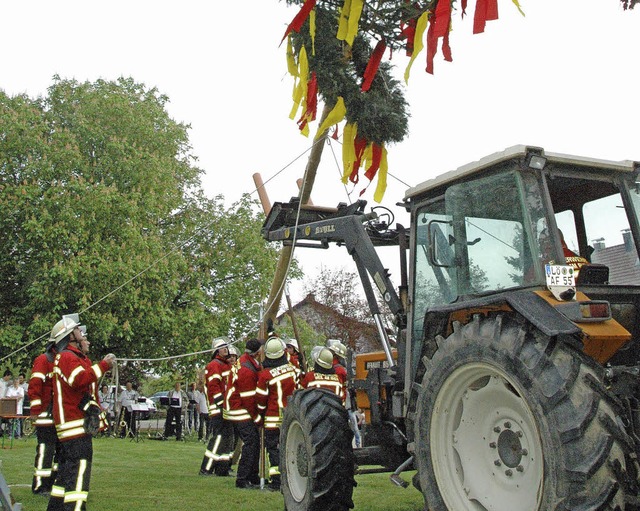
510 420
316 457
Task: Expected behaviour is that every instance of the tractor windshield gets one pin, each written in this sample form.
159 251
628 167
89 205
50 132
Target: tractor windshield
480 237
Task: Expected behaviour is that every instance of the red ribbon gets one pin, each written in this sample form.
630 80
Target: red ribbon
486 10
360 144
373 65
312 102
439 24
376 158
300 18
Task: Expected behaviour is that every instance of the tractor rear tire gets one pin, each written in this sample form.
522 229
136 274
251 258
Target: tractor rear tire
508 419
317 463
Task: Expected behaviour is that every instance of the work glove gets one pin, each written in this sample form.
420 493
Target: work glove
110 359
92 414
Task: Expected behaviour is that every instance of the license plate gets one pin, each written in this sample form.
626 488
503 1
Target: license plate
560 275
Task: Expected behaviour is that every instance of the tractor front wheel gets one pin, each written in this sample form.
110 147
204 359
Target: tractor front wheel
510 420
317 463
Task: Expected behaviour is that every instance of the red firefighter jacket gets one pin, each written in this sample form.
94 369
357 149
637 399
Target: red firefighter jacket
340 370
216 374
73 378
324 381
41 389
275 385
241 393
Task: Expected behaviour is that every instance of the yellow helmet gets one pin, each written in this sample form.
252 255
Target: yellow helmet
274 348
325 358
337 347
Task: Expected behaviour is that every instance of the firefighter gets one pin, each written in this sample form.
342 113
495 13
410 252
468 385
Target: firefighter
570 257
276 382
339 358
234 356
41 394
293 352
217 457
324 375
243 413
76 412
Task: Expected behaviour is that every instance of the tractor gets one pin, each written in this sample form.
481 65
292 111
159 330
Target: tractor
511 383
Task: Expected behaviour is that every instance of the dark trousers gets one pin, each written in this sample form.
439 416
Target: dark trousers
47 454
173 415
204 426
249 464
71 486
217 457
272 445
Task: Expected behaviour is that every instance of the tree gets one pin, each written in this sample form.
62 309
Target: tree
339 289
103 214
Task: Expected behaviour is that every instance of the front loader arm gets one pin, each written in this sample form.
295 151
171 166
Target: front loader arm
346 225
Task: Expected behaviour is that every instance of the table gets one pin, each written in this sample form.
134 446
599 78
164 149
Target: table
12 421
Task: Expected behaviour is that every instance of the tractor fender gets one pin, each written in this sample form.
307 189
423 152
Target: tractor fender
531 306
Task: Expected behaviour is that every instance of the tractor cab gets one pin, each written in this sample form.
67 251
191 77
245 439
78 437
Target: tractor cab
495 226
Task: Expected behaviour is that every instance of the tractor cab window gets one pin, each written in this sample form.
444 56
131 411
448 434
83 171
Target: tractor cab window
472 241
591 216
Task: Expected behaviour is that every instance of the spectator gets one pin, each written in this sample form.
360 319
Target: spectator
26 405
204 427
192 414
128 397
4 385
177 405
353 416
15 391
5 382
107 404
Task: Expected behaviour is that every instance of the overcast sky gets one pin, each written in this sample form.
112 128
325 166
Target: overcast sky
564 77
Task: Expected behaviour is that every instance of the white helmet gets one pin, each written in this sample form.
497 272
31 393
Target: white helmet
325 358
233 350
294 343
274 347
218 343
64 327
337 347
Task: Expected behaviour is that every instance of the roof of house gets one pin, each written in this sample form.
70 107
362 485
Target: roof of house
359 336
624 268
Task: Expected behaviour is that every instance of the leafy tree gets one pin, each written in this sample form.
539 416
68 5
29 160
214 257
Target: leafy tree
103 214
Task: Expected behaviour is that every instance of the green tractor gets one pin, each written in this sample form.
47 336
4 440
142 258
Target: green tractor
512 381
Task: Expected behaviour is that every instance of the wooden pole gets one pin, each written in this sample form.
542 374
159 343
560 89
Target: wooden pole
262 193
277 286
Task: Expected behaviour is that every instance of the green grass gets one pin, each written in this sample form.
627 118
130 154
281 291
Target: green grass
157 476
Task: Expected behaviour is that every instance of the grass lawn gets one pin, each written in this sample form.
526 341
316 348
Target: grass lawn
157 476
